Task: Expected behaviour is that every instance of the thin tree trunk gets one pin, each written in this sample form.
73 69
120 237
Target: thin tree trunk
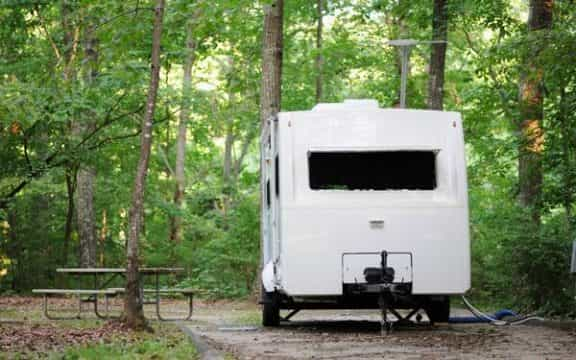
86 175
70 42
438 56
399 30
14 249
103 236
568 154
134 312
319 57
531 115
228 144
270 90
229 138
227 170
70 189
180 174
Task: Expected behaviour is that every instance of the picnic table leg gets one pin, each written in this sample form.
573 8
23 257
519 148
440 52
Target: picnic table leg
158 297
106 315
190 306
45 306
50 317
96 312
186 318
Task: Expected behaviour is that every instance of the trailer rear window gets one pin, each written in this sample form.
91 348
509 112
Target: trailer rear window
373 170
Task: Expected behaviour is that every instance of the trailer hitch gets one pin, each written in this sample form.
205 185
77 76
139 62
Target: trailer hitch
382 278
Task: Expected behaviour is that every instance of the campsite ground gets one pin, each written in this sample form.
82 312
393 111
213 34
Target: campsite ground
233 329
26 334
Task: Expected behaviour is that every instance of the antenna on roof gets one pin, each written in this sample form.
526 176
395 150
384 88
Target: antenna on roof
405 46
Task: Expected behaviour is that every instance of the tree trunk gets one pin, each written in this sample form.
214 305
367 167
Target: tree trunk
70 189
438 56
568 157
270 90
229 140
103 236
14 249
134 313
70 42
85 215
86 175
180 175
399 30
319 57
531 144
270 96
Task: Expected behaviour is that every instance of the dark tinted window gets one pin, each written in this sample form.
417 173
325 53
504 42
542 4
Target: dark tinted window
374 170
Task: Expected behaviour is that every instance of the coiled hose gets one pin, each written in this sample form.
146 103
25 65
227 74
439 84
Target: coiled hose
497 319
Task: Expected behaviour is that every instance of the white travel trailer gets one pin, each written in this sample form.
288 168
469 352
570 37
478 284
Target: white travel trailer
364 208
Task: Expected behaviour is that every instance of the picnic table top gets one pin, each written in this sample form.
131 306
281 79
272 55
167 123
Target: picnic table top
142 270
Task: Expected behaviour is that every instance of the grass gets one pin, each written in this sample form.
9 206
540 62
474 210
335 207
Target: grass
166 342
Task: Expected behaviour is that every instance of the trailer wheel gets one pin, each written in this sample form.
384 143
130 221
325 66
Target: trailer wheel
438 310
270 309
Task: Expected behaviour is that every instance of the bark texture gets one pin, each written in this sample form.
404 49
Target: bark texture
319 57
133 310
179 171
85 215
70 189
398 29
531 101
438 55
86 175
270 92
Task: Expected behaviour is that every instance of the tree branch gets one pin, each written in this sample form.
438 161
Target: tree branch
114 18
45 29
49 161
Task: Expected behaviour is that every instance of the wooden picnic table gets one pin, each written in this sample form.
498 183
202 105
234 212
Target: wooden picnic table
115 272
100 286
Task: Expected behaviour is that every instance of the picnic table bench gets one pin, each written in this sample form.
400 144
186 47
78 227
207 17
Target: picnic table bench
100 288
79 292
188 293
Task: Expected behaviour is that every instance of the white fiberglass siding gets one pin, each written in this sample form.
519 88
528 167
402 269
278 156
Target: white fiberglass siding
319 226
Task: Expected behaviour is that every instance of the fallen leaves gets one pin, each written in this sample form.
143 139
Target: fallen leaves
47 337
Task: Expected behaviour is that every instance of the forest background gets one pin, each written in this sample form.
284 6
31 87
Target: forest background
73 81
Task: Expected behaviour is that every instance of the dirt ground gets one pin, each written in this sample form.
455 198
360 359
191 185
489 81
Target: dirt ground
26 334
235 329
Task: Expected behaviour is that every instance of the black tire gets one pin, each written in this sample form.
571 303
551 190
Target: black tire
438 309
270 309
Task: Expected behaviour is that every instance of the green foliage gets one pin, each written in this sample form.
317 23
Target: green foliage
514 262
227 264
